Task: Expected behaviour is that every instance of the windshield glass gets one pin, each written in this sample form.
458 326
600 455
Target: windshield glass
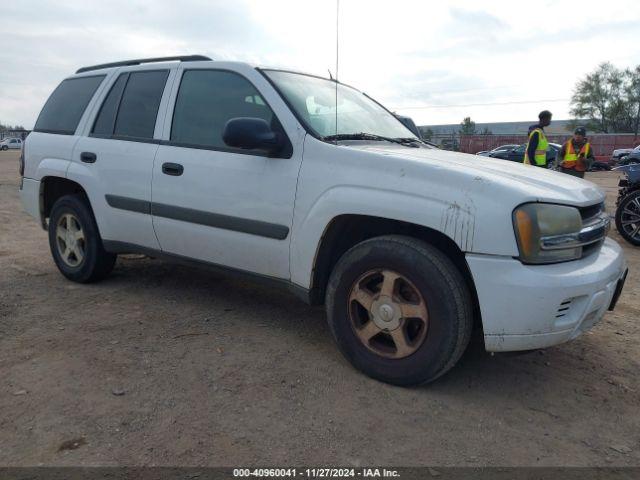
314 100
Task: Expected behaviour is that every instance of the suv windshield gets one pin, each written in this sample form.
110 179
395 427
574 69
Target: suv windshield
314 101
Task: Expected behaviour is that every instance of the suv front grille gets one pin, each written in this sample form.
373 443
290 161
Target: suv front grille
592 212
591 215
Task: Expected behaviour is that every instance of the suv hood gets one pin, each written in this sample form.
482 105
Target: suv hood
534 183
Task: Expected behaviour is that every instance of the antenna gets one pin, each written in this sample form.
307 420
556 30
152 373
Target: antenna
337 52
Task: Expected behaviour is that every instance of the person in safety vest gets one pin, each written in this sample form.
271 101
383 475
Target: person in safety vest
537 146
576 155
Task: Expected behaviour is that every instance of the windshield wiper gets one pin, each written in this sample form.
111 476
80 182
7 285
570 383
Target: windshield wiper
409 142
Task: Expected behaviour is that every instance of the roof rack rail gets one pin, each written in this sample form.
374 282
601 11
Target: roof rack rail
125 63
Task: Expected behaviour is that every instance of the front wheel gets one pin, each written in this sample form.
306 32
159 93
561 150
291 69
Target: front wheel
75 242
4 147
399 310
628 217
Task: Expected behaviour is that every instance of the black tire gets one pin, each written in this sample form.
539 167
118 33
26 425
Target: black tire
443 288
96 263
4 147
629 203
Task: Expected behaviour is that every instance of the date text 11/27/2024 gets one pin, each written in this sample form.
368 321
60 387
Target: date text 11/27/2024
316 472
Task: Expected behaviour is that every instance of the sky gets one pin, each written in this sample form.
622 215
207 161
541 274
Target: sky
437 62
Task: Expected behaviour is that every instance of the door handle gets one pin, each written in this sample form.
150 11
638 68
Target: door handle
174 169
88 157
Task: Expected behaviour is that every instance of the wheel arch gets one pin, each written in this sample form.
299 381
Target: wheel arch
54 187
345 231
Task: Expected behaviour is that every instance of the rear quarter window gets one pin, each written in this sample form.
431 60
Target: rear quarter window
64 108
130 109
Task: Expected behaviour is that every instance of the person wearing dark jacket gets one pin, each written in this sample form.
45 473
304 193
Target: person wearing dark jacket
537 145
576 155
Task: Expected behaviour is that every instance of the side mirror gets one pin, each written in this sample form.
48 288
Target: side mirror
251 133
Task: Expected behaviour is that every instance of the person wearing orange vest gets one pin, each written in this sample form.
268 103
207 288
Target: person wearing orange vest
576 155
537 145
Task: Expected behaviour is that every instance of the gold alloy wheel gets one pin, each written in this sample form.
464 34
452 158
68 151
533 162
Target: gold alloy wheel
70 240
388 313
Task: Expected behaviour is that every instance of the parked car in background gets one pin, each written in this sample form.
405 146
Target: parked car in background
628 204
11 143
410 124
501 148
633 157
622 152
516 154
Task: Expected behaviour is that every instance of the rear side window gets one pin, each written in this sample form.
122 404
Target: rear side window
65 106
131 107
107 117
207 99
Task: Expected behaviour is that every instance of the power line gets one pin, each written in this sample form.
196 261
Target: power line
522 102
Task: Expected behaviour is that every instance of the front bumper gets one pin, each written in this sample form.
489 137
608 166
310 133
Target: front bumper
526 307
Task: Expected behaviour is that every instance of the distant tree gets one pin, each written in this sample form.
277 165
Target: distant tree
486 131
632 92
467 127
4 128
609 98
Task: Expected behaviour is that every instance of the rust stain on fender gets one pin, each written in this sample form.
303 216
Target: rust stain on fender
458 221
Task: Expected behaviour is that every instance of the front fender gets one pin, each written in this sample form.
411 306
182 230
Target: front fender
457 220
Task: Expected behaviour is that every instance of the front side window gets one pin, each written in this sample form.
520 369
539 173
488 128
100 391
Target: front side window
67 103
207 100
314 101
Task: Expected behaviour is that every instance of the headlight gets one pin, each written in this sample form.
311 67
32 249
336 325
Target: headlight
547 233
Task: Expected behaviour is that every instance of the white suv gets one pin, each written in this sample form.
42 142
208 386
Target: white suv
245 168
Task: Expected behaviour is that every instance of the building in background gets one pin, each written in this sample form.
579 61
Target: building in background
14 133
448 136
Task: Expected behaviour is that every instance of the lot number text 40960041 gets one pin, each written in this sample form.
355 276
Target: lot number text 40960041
316 472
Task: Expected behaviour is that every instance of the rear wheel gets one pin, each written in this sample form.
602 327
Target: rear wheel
399 310
75 242
628 218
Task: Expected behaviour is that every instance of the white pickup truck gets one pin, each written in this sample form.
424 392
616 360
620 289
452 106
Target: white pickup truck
264 172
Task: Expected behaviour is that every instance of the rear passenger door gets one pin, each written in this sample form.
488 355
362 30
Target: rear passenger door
116 157
219 204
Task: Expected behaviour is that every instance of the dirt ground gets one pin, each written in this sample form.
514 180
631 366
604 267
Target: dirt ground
167 365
